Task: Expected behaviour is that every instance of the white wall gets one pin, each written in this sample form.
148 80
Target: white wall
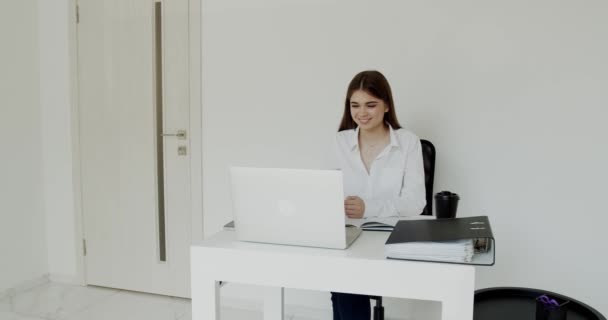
513 95
56 126
22 233
36 136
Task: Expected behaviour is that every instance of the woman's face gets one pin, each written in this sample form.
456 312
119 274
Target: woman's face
367 111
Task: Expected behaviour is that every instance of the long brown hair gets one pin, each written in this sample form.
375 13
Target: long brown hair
375 84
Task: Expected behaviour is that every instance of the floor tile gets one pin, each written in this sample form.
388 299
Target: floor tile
14 316
5 305
56 301
228 313
135 306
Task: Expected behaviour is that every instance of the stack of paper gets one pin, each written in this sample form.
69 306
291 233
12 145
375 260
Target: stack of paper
467 240
461 251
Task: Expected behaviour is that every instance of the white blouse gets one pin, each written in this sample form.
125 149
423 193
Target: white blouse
395 183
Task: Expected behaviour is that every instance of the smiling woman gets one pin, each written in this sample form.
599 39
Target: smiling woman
371 143
370 88
381 164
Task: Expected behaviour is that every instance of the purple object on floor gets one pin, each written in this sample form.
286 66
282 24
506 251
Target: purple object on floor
548 302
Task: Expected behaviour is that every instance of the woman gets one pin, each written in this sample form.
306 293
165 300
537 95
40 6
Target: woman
382 167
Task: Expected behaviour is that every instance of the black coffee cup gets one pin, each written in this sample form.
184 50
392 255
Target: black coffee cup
446 204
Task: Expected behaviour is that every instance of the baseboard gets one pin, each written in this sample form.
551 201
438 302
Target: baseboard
243 304
305 311
306 304
24 286
308 312
303 303
65 279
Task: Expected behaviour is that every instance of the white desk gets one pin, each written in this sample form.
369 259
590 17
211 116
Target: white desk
223 258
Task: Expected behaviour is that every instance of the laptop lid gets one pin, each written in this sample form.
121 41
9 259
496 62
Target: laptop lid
289 206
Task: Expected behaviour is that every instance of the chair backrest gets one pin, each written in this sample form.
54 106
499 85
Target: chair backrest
428 158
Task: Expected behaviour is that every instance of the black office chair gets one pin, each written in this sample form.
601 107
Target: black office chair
428 158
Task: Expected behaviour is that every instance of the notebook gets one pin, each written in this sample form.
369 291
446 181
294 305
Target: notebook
383 223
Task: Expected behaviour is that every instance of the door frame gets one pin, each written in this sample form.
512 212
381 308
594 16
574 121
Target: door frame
195 134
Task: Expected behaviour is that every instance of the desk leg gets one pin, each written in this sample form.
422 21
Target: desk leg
273 303
457 310
458 303
205 299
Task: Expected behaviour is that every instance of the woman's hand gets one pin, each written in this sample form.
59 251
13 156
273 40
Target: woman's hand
354 207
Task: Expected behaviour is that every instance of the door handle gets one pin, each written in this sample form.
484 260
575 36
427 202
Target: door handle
180 134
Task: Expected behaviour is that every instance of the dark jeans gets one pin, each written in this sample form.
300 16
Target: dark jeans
348 306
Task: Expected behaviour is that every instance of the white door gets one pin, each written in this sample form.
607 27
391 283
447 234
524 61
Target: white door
133 85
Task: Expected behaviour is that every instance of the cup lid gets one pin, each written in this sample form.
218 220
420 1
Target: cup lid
447 195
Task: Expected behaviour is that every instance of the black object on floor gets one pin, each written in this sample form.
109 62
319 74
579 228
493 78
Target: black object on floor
510 303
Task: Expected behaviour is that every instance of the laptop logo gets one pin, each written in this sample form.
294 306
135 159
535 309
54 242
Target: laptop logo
286 208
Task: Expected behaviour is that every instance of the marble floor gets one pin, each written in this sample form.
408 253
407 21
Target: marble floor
55 301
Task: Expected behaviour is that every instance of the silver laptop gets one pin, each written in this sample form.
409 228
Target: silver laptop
290 206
